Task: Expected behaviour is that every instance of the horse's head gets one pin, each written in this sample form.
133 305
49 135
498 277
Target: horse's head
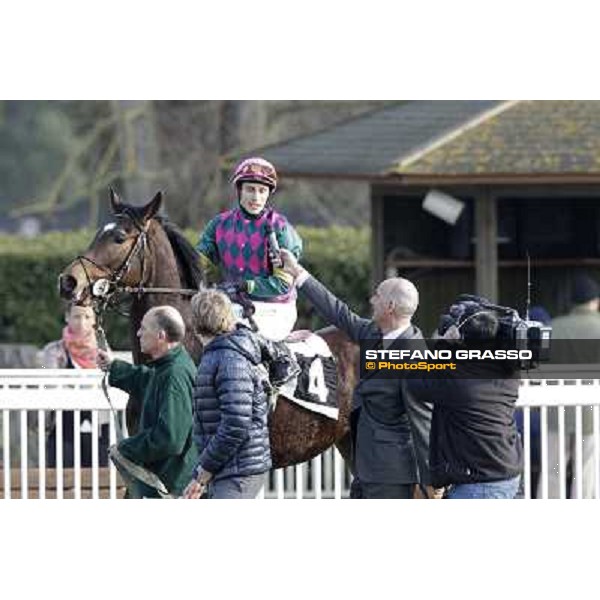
116 254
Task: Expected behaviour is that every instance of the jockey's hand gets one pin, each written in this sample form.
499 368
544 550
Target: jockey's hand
232 289
290 263
243 287
104 359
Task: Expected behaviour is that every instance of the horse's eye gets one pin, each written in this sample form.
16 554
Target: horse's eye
120 236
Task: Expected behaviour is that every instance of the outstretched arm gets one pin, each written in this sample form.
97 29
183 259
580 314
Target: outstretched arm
123 375
331 308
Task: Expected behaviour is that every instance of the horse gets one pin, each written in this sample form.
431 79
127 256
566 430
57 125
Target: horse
145 255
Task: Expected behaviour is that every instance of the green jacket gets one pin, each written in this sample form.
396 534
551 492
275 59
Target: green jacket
164 442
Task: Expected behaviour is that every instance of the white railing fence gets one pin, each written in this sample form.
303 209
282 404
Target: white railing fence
31 399
569 437
569 440
34 400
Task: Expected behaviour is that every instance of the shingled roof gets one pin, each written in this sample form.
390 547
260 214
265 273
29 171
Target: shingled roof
453 142
528 138
368 146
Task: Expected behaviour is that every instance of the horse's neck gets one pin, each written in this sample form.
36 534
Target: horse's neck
161 271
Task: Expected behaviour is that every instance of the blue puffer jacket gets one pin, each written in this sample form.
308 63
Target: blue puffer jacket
230 408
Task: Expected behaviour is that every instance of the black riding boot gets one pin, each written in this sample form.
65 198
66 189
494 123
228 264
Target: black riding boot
279 360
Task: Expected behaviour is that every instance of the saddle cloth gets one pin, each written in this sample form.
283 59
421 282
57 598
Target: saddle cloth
315 388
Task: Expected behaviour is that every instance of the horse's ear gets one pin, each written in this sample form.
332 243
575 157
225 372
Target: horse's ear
152 208
115 201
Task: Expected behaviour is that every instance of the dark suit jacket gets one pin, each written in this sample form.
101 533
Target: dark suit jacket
390 427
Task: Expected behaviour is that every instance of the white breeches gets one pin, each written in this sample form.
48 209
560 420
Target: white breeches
275 320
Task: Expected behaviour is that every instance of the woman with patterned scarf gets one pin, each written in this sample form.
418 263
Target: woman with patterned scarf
77 349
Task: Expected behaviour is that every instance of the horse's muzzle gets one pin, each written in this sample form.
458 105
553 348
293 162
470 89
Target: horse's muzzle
66 286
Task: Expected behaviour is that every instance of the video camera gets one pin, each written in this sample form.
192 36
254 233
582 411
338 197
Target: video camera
517 332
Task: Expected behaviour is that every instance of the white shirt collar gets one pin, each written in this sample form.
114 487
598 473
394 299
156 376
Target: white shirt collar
392 335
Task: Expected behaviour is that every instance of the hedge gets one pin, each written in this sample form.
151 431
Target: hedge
31 311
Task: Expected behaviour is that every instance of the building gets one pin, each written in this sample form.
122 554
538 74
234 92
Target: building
526 175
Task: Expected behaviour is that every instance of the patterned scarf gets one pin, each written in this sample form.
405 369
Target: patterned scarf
82 348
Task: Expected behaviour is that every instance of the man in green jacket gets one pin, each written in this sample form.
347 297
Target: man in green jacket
163 444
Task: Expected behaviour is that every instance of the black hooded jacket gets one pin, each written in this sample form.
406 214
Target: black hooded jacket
473 432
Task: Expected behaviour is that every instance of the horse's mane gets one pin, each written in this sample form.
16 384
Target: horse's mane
185 254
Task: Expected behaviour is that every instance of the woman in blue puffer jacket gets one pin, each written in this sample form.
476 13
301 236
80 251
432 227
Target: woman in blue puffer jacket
230 405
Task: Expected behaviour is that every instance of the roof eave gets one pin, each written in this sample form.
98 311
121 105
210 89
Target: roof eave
421 179
450 179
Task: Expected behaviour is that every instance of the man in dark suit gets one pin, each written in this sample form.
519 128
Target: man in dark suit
390 429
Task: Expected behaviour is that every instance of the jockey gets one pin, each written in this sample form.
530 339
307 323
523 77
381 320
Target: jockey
241 246
237 243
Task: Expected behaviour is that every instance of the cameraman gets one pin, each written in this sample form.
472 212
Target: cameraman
475 450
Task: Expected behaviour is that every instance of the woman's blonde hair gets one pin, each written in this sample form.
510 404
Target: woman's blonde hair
212 313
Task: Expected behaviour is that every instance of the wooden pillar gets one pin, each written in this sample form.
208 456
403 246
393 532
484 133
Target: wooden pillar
486 246
377 250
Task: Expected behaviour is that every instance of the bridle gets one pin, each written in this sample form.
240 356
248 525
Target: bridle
103 289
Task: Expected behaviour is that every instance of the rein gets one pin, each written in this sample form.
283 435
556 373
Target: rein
141 290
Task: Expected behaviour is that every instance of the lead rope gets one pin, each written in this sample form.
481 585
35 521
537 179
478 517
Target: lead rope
103 345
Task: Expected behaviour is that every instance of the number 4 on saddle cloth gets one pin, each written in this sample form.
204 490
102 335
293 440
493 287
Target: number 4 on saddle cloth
314 385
